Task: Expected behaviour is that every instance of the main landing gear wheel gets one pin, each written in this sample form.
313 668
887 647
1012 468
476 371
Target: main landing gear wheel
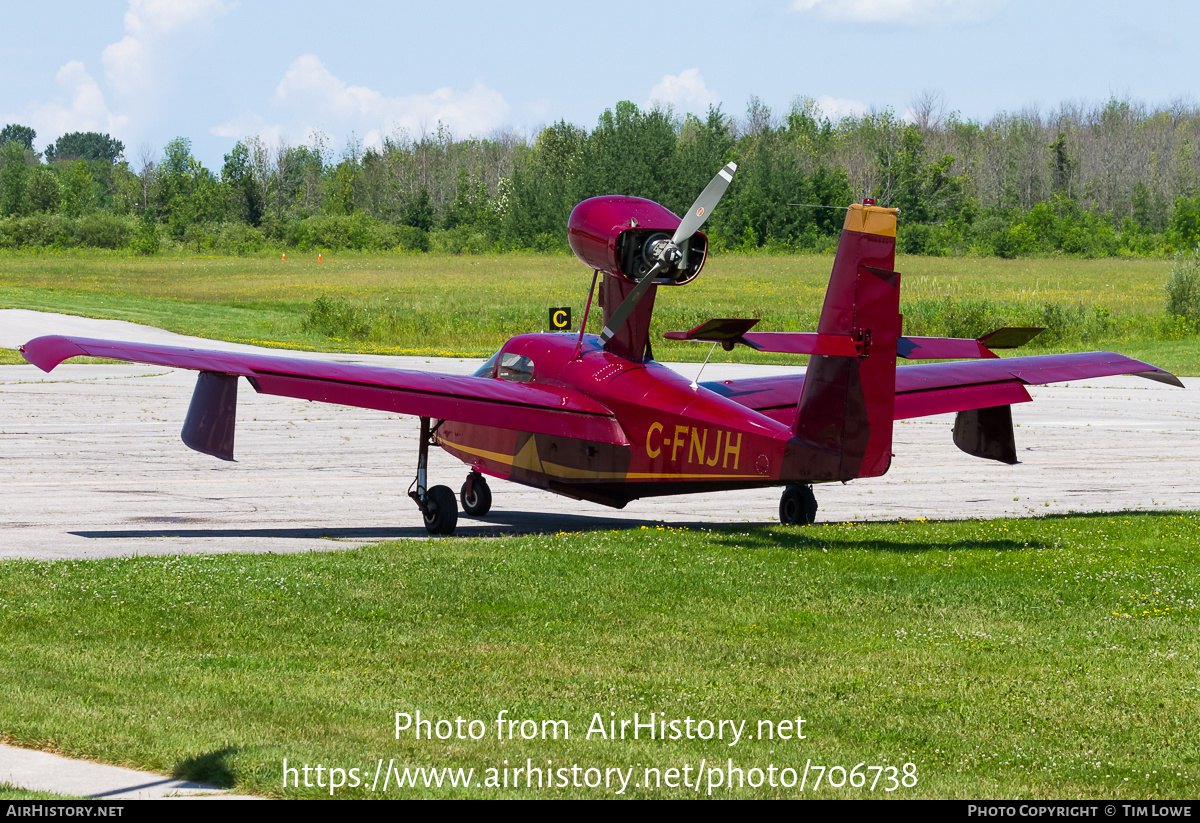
441 511
798 506
476 497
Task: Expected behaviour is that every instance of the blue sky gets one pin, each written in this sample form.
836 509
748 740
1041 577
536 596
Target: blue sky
214 71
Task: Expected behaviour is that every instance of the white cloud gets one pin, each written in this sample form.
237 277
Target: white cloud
310 92
81 108
836 108
902 12
129 64
685 90
149 18
245 125
126 65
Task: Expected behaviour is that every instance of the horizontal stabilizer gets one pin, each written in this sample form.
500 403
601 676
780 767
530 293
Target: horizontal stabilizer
942 348
964 348
725 330
1010 337
731 331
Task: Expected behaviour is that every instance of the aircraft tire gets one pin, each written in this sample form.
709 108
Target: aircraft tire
798 506
441 510
479 501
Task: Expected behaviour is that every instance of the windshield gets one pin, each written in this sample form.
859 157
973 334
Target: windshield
488 369
515 367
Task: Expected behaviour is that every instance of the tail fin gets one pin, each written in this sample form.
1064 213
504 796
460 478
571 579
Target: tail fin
847 404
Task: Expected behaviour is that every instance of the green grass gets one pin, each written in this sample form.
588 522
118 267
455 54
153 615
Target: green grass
11 792
1044 658
468 305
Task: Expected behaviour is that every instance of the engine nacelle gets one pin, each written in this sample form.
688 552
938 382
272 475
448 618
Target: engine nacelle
618 236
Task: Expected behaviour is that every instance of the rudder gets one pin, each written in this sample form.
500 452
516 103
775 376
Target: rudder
847 404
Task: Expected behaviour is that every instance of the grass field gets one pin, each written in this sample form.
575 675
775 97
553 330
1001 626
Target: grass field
468 305
1045 658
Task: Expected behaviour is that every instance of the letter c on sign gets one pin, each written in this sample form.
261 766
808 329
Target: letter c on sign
560 318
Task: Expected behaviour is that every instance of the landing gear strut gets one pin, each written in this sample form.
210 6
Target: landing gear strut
436 504
798 506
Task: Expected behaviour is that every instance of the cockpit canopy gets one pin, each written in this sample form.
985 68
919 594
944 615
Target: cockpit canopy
507 365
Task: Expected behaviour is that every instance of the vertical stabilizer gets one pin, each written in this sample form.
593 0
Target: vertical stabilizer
846 407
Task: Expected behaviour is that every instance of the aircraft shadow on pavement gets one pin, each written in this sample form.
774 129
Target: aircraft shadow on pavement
494 525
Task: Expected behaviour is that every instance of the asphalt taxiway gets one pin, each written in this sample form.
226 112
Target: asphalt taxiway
91 464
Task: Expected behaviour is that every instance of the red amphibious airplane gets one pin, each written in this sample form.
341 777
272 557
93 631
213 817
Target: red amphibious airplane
594 417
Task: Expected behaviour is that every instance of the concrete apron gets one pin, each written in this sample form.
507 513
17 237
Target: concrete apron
93 465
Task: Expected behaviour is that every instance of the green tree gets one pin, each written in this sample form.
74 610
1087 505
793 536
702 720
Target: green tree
1062 166
420 214
86 144
538 196
13 176
910 176
187 193
631 152
44 192
339 194
146 240
1185 222
469 202
926 193
78 190
20 134
1149 208
245 193
703 147
174 186
831 188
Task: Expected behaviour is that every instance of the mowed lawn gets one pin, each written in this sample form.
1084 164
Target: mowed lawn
1045 658
468 305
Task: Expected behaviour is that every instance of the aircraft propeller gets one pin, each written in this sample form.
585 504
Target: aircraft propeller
667 253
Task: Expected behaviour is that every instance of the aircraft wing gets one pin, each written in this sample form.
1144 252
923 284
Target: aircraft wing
938 388
553 410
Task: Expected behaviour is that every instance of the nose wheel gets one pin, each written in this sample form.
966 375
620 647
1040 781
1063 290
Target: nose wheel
798 506
476 497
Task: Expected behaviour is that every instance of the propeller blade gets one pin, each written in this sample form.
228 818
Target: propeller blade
627 306
670 253
705 203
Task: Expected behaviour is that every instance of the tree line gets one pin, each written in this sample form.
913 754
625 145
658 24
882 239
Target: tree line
1116 178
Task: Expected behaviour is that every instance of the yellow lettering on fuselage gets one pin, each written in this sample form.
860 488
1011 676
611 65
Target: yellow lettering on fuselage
680 437
716 450
732 449
690 445
652 452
